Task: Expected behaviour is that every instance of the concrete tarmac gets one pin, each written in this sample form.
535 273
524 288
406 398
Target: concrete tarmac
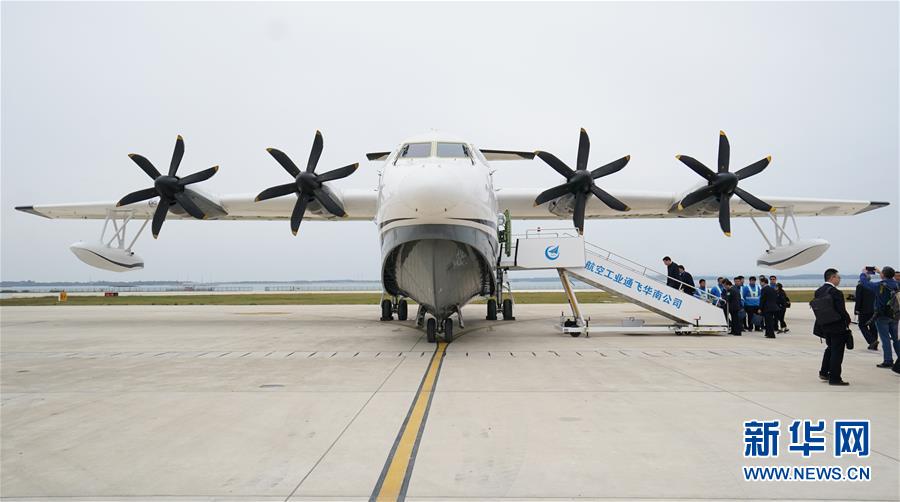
307 403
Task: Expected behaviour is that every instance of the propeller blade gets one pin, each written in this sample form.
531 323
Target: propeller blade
184 200
608 199
613 167
341 172
578 214
276 191
328 202
297 215
754 202
754 168
725 215
697 167
724 152
176 156
285 161
315 153
159 216
147 193
697 196
145 165
198 176
558 165
584 149
552 193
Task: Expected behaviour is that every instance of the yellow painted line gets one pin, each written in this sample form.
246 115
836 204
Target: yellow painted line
395 476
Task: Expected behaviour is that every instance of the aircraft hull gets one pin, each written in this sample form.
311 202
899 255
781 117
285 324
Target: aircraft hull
442 267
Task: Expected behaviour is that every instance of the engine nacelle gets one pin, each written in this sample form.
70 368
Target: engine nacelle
114 259
798 253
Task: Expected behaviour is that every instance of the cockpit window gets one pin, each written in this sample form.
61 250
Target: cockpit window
415 150
450 150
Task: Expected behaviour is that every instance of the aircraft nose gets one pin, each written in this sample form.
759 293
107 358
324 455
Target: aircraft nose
432 190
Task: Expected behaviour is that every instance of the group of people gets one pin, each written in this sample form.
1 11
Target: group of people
757 305
877 307
752 306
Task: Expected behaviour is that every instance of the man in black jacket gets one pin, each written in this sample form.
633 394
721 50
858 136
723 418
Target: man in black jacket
733 303
836 333
672 273
687 280
864 309
768 304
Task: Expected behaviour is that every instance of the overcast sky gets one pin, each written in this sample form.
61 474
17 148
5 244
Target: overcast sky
83 85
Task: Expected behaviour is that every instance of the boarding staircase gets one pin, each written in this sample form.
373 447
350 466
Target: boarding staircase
571 256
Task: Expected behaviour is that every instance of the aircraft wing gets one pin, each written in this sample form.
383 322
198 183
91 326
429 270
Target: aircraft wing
520 203
359 205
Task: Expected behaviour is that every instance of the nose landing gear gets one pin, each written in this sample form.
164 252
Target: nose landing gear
444 329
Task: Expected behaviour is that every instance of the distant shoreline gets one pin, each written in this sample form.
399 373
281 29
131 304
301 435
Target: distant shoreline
302 298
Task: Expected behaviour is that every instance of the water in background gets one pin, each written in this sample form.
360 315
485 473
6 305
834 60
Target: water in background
523 284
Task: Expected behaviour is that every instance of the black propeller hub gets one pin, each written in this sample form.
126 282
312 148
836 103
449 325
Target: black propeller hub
580 182
722 184
307 183
725 183
168 187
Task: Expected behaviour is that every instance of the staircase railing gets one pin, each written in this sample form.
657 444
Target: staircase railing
620 260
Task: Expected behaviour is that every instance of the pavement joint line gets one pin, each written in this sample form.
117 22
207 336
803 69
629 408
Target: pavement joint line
344 430
397 471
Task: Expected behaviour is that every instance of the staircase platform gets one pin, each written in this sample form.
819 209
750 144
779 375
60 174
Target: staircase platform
569 254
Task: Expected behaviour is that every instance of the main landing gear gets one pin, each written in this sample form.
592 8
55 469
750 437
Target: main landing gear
491 310
506 309
389 307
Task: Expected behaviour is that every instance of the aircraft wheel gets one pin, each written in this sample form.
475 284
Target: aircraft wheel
430 328
508 310
402 310
386 314
448 330
491 310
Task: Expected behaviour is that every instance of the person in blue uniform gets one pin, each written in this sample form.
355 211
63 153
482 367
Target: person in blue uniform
701 291
750 293
885 320
717 297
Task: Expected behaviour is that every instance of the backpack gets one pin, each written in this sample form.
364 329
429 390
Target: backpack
891 307
823 309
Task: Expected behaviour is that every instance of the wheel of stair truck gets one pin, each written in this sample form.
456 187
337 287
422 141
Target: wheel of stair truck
491 310
430 328
448 330
386 314
402 310
571 323
508 310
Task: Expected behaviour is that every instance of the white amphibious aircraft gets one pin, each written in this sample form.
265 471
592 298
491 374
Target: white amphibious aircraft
439 213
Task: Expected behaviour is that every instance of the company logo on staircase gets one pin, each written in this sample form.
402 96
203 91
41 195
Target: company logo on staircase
552 252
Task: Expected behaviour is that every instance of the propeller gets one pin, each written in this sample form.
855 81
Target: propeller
169 187
580 182
723 184
307 184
